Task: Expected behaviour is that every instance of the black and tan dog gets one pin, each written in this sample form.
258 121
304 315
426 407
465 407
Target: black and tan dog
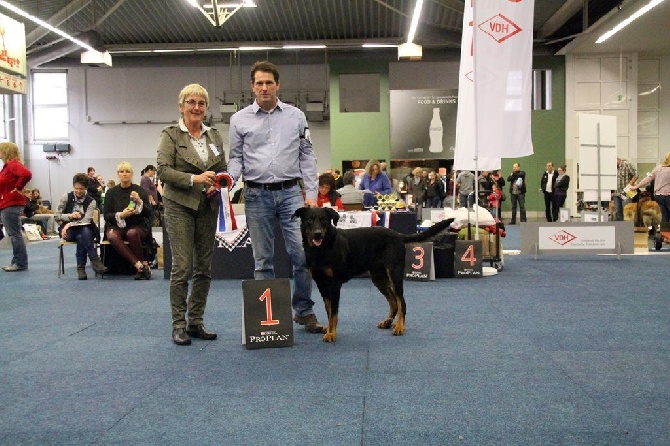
336 255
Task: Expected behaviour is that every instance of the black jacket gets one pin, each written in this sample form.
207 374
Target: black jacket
545 178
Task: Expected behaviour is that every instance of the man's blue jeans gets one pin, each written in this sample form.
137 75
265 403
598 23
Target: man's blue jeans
264 209
11 219
84 238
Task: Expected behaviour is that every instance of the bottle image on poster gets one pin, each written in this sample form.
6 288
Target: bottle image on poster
435 132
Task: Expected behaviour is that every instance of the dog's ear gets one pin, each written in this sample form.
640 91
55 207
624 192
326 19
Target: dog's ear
299 212
332 213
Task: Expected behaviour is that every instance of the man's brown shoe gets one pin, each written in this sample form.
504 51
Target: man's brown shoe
199 331
311 324
180 337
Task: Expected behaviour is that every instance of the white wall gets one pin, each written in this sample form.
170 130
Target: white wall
117 115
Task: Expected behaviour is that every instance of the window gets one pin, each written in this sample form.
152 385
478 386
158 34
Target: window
3 128
542 90
50 111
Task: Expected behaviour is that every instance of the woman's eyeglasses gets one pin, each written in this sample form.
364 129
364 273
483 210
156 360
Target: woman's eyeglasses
192 103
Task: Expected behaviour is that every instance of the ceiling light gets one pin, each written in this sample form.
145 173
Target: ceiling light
415 20
379 45
303 47
257 48
219 13
45 25
628 21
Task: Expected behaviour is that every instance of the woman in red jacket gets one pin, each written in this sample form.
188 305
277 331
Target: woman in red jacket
13 177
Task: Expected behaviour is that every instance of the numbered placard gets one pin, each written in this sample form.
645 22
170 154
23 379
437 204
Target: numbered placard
267 314
419 263
468 258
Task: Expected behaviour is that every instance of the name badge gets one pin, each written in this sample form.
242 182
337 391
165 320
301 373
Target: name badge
214 149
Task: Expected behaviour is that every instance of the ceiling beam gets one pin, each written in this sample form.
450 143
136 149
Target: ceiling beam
55 20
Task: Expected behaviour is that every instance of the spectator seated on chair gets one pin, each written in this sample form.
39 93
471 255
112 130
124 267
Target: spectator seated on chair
327 195
75 212
127 214
349 193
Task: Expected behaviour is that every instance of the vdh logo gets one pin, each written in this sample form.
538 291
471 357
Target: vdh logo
562 238
500 28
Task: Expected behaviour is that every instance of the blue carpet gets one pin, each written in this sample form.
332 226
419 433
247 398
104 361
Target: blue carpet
558 350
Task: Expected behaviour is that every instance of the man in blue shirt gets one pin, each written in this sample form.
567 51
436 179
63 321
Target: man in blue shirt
270 148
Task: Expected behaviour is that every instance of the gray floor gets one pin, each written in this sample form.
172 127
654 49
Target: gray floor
558 350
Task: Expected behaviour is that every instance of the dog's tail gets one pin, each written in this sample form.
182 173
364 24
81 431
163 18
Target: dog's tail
430 234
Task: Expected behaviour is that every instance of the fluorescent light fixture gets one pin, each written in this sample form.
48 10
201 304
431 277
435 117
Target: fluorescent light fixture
257 48
303 47
378 45
415 20
241 4
628 21
44 24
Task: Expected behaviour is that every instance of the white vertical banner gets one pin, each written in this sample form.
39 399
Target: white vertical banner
503 65
464 152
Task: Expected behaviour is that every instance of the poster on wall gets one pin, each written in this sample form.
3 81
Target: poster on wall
12 56
423 124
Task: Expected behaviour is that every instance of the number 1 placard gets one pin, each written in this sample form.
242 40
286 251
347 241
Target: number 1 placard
267 314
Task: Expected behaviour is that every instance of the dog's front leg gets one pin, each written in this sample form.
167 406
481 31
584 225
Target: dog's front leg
332 307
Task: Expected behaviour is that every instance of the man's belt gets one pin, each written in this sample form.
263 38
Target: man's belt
272 186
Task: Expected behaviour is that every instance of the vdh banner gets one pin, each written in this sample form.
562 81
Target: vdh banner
501 49
464 153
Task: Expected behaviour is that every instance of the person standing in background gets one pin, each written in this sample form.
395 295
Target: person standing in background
375 181
94 187
189 156
270 146
517 190
626 175
547 185
13 178
466 187
561 186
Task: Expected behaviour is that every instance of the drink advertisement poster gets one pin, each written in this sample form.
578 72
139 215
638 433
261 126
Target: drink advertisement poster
423 124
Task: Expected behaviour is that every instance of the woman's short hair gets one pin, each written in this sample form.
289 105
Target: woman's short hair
417 171
124 166
9 151
327 179
80 178
666 160
193 90
349 177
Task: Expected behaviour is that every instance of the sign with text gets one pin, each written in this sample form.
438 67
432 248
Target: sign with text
267 314
559 238
468 258
423 124
419 265
13 50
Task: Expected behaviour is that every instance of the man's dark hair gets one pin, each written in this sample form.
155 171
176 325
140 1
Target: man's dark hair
266 67
349 177
80 178
90 169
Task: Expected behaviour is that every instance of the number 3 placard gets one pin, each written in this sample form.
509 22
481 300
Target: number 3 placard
267 314
419 264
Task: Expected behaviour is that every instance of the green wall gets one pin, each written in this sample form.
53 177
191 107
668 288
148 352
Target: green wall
367 135
359 135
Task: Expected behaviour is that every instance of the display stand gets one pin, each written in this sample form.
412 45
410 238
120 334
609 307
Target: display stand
598 171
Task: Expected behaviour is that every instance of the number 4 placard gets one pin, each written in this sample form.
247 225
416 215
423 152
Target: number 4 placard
267 314
468 258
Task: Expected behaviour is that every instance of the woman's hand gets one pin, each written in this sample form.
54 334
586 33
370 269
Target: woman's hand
206 178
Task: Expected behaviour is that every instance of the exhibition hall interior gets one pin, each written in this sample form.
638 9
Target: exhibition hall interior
542 127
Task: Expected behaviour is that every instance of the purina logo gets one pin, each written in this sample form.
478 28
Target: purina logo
500 28
562 238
